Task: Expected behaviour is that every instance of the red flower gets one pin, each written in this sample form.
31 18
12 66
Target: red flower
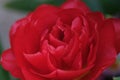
61 43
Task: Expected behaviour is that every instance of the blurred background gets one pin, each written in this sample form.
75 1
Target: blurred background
12 10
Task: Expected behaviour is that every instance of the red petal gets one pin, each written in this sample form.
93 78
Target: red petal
30 76
41 61
9 63
96 16
66 75
68 15
55 42
26 33
92 55
106 54
77 25
95 20
58 54
76 4
73 52
116 23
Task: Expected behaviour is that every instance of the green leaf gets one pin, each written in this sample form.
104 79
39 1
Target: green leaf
116 78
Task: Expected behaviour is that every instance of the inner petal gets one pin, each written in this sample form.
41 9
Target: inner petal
57 33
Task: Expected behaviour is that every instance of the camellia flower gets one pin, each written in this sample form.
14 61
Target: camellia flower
69 42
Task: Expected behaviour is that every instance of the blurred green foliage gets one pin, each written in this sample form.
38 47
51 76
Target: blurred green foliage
4 75
111 6
105 6
117 78
1 48
30 5
94 5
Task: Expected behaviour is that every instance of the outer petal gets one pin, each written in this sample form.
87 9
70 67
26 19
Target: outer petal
116 23
76 4
41 62
98 17
26 33
9 63
106 53
65 75
29 76
68 15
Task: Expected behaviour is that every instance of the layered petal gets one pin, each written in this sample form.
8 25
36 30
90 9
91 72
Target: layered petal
41 61
26 33
62 43
106 53
76 4
68 15
30 76
59 74
116 23
8 62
